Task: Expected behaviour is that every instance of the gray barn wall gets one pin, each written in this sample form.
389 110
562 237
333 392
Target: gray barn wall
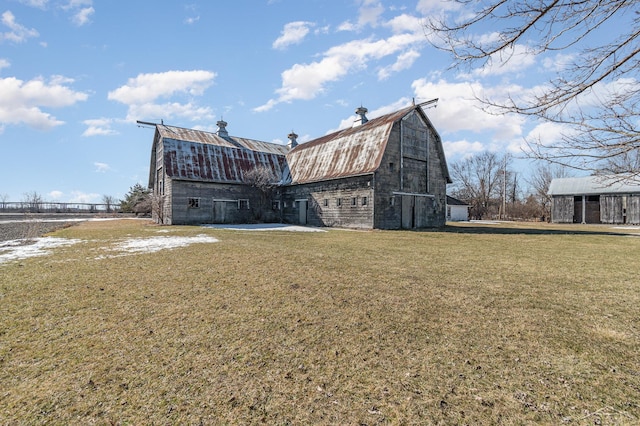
330 213
418 163
226 212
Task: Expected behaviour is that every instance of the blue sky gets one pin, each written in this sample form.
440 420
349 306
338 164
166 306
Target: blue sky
75 75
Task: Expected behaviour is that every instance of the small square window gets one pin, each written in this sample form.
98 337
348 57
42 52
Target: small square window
275 204
326 202
364 201
193 203
390 166
354 201
243 204
338 202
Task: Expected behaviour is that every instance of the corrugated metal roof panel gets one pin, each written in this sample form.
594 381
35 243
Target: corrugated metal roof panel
195 160
592 185
349 152
200 136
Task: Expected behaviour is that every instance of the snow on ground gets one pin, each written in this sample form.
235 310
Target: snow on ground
267 227
154 244
21 249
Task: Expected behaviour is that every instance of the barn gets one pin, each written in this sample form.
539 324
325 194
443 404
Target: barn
386 173
595 199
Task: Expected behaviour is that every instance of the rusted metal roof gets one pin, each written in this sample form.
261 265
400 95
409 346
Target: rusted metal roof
349 152
197 155
200 136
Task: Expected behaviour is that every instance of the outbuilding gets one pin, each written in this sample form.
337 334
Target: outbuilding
595 199
457 210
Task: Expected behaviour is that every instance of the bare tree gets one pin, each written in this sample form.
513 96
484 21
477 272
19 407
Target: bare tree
597 95
264 179
3 200
33 201
540 181
479 181
109 201
157 208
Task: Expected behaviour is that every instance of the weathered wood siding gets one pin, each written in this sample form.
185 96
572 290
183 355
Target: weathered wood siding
346 202
633 209
612 208
562 209
410 183
219 203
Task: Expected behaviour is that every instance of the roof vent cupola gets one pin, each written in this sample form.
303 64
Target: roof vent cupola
361 112
292 140
222 129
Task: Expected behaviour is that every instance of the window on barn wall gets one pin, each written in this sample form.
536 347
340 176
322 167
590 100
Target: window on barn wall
338 202
243 204
326 202
364 201
354 201
193 202
275 204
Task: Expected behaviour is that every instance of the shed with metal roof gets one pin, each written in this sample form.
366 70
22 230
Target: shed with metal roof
595 199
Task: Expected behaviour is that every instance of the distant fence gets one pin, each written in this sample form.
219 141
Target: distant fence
47 207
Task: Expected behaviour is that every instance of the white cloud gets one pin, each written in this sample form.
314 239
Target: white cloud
81 11
102 167
405 23
142 92
83 16
306 81
4 63
149 87
431 7
404 61
462 148
17 33
99 127
21 102
292 33
459 110
40 4
83 197
510 61
55 195
369 13
192 20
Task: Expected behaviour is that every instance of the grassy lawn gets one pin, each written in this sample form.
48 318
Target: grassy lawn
473 324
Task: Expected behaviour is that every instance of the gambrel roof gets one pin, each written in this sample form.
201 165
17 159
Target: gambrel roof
197 155
351 152
204 156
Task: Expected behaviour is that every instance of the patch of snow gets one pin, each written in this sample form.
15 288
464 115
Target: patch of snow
154 244
267 227
627 227
21 249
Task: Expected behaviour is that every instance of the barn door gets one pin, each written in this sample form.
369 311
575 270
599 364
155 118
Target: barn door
302 212
219 211
408 211
420 212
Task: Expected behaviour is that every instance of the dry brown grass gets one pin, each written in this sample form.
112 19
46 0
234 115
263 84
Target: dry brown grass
504 324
